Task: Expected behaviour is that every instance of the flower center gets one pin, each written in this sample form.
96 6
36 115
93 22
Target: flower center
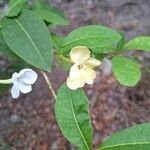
80 66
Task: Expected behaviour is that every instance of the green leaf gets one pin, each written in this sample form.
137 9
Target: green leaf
99 56
138 43
29 38
126 70
57 41
5 146
39 2
133 138
4 49
98 38
51 14
72 115
121 43
15 7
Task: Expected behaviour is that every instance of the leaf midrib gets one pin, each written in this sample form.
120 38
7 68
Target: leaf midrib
14 5
34 45
91 37
76 122
122 145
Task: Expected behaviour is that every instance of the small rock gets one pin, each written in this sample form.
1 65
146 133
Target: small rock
107 66
15 119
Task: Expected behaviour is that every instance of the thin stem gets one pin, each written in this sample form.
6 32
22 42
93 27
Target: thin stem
6 81
49 84
63 58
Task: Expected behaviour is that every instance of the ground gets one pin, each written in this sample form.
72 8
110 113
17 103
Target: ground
28 123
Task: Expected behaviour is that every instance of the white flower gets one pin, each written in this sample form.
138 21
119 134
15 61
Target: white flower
82 71
22 82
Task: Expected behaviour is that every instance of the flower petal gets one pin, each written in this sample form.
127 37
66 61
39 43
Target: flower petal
28 76
15 77
23 87
75 83
90 75
93 62
15 92
75 72
79 54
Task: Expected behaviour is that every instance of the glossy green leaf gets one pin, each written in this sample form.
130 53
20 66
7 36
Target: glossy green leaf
29 38
133 138
15 7
72 116
51 14
138 43
126 70
98 38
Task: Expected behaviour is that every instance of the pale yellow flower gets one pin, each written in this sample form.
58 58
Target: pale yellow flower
83 69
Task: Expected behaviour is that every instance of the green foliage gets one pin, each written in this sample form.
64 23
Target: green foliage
121 42
72 115
133 138
15 7
51 14
98 38
99 56
5 147
57 41
4 49
126 70
28 37
25 37
138 43
14 63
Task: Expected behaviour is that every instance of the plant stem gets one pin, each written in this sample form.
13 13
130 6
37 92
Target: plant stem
49 84
63 58
7 81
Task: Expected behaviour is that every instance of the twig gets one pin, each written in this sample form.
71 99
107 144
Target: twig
49 84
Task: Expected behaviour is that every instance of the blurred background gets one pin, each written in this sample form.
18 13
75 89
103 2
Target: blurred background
28 123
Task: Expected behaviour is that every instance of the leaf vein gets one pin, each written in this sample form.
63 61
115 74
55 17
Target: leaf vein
14 5
91 37
34 45
128 144
76 122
